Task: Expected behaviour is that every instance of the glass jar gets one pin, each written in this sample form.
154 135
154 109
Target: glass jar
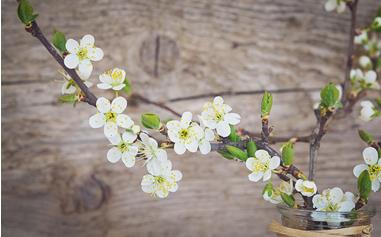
311 220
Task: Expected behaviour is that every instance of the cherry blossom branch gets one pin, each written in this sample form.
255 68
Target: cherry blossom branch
35 31
323 121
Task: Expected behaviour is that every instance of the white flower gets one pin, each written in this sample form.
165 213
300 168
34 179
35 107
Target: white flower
377 22
204 142
334 200
361 38
215 115
362 81
368 111
112 79
69 86
331 5
124 148
149 149
184 133
365 62
262 165
306 187
373 165
110 116
161 180
81 54
275 195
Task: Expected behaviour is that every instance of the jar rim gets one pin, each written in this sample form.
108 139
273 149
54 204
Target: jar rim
370 210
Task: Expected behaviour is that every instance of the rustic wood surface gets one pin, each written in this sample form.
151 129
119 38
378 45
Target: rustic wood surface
56 180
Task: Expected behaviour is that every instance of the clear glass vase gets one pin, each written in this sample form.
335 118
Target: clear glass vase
311 220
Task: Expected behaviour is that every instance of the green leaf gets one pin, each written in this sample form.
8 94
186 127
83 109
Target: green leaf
376 24
366 137
236 152
329 96
267 103
226 154
150 120
288 199
127 87
59 41
288 154
268 189
364 185
70 98
251 148
233 136
25 12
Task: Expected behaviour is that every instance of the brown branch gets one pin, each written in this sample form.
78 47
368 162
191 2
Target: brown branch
158 104
323 120
35 31
237 93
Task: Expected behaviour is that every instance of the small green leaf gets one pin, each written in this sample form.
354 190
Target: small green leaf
236 152
329 96
268 189
233 136
127 87
288 154
366 137
70 98
251 148
288 199
25 12
59 41
226 154
150 120
364 185
267 102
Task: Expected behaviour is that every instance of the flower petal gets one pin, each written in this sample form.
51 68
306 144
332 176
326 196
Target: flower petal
97 120
267 175
370 155
262 154
105 78
104 86
375 185
85 67
110 130
330 5
205 147
177 175
223 129
128 159
336 195
218 100
358 169
129 137
274 162
103 105
186 118
71 61
87 41
148 188
118 105
72 46
114 155
255 177
124 121
118 87
161 155
95 54
250 163
147 180
179 148
232 118
192 147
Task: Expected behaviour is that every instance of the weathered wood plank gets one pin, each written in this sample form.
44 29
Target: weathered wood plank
56 180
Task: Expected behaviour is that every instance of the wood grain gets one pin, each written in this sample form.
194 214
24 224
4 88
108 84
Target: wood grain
56 180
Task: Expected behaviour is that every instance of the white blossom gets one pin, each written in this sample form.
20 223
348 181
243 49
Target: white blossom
262 165
362 38
161 179
185 133
216 115
81 54
373 165
150 151
338 5
123 148
274 195
334 199
69 86
365 62
305 187
204 142
112 79
110 116
368 110
363 81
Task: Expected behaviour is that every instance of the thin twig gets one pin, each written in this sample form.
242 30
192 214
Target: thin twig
158 104
35 30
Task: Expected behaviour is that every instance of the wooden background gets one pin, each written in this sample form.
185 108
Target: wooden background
56 180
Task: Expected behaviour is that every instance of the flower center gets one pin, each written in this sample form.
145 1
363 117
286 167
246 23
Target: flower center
184 134
116 75
160 180
82 54
110 117
123 147
308 190
258 167
374 171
